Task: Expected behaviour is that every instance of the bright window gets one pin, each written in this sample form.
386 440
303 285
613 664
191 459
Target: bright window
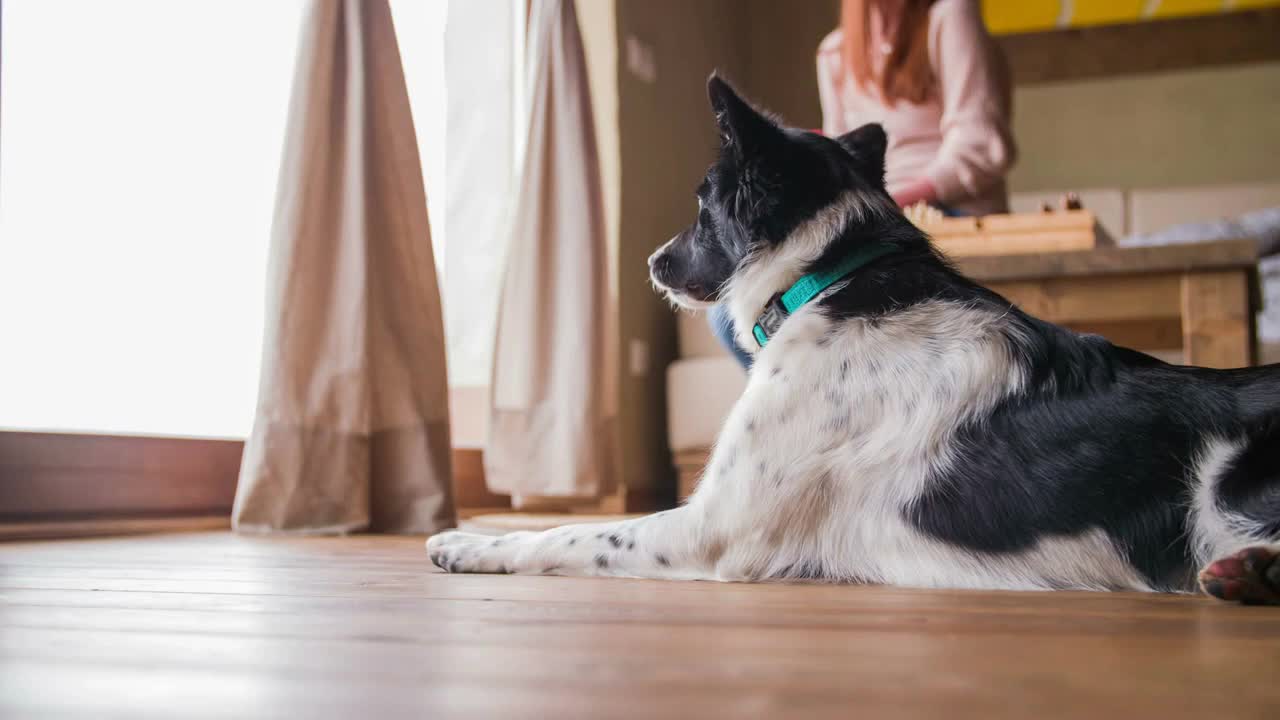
140 143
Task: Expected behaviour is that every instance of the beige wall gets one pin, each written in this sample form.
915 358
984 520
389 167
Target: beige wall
781 72
1191 127
667 141
1196 127
597 20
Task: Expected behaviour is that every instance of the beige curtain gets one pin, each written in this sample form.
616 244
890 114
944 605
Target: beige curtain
551 425
351 431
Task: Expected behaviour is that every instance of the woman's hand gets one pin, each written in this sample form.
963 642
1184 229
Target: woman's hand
913 192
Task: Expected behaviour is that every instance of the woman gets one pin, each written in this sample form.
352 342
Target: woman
930 74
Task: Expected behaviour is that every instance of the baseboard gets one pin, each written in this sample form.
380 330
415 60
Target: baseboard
98 527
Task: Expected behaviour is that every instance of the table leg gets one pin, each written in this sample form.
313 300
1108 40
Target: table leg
1217 327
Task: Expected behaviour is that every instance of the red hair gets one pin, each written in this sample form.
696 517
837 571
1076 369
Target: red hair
907 74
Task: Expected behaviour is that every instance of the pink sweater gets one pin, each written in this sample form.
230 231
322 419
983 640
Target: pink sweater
959 141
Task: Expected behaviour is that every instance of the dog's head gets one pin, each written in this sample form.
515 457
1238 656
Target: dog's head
767 181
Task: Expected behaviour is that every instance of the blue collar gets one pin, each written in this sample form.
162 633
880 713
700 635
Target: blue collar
808 287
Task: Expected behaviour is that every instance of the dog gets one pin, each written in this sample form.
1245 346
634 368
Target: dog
907 426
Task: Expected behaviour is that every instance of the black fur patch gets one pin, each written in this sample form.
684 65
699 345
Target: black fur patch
1104 439
1250 486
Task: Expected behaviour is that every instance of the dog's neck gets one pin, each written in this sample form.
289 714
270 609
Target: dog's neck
769 272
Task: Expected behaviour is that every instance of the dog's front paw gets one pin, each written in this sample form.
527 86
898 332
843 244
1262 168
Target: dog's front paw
460 552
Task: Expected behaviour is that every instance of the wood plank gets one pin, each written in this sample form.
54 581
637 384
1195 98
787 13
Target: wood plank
1096 299
1012 234
1217 325
1221 255
1143 334
227 626
1016 243
313 620
1082 220
806 661
1145 47
964 225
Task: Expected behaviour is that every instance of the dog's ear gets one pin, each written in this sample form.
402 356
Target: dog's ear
867 146
742 127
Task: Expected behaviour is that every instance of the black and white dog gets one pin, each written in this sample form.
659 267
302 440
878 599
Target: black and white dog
904 425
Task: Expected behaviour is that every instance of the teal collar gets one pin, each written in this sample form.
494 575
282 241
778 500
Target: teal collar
808 287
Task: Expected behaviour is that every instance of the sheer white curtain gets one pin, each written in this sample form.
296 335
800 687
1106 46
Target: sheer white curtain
552 418
420 33
483 61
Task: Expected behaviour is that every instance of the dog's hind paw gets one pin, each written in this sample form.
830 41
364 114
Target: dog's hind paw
1251 576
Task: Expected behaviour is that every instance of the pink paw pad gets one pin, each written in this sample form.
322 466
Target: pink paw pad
1251 577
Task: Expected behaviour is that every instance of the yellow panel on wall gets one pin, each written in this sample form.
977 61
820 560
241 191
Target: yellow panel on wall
1105 12
1018 16
1177 8
1005 17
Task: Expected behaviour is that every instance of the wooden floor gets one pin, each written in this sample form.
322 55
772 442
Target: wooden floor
217 626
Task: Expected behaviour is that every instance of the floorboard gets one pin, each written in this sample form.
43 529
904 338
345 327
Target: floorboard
214 625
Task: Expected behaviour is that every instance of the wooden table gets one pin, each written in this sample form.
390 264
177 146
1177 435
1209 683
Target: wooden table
1201 298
